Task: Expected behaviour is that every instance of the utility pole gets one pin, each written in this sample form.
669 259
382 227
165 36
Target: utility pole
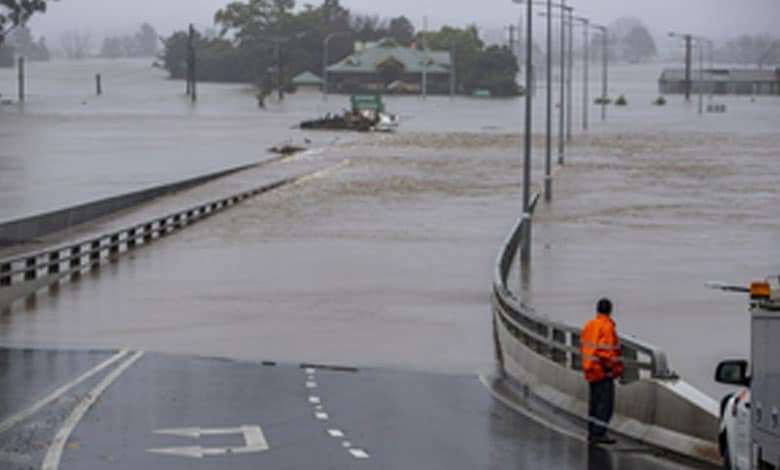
569 78
280 91
700 45
688 44
21 79
512 38
453 72
424 89
525 252
192 88
585 72
548 123
562 98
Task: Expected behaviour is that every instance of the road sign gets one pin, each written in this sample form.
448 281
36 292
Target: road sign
254 441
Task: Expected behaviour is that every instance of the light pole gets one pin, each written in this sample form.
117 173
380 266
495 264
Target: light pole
689 38
570 75
604 69
325 60
548 121
525 250
585 22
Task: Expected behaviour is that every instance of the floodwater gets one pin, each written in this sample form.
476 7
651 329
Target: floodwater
387 261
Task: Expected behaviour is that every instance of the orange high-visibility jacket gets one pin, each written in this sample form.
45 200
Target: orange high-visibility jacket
600 348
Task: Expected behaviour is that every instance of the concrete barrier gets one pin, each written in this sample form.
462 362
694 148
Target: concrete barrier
30 228
656 407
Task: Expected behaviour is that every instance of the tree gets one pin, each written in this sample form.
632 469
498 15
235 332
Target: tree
15 13
76 44
639 45
402 30
23 41
746 49
146 41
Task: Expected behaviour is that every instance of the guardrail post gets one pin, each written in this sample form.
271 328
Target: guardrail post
576 359
32 269
559 355
630 373
148 233
5 280
54 262
75 261
176 224
94 254
131 239
114 246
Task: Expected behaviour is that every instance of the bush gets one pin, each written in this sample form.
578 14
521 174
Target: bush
602 101
660 101
621 101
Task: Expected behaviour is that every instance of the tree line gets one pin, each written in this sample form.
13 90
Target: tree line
260 39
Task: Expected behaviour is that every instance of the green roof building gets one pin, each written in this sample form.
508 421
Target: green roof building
307 80
387 67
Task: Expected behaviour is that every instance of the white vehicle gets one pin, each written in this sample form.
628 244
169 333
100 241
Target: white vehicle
734 437
750 417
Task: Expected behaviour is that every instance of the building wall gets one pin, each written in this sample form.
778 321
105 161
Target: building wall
677 87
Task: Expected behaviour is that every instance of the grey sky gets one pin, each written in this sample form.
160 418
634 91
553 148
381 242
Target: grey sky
714 18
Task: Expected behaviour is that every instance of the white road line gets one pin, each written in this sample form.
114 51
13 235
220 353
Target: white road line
359 453
346 444
58 393
311 384
528 414
311 371
335 433
314 400
321 415
319 407
54 454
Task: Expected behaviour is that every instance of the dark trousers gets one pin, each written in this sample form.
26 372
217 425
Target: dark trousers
602 404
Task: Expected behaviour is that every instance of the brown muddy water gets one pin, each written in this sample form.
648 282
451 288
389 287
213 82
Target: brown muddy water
387 259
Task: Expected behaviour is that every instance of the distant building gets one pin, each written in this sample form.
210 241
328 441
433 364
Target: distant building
722 81
386 67
307 81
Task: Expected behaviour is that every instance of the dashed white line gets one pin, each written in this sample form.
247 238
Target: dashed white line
359 453
321 415
314 400
335 433
311 371
57 394
311 384
319 408
54 454
346 444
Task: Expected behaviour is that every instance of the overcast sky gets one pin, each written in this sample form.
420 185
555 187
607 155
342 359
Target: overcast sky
713 18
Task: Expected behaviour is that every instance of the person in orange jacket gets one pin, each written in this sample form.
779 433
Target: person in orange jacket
602 363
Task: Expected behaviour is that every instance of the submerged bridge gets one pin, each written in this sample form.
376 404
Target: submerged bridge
76 409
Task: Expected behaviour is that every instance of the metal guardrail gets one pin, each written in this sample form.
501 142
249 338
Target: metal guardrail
558 342
73 258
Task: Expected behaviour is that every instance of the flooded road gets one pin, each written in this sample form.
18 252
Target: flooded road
388 261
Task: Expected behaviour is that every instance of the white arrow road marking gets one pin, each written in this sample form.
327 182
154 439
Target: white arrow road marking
254 441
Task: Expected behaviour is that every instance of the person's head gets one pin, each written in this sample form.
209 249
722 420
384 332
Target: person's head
604 306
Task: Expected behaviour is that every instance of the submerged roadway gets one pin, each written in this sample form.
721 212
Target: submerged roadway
83 410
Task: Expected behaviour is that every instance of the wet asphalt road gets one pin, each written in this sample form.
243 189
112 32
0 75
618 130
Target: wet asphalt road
307 417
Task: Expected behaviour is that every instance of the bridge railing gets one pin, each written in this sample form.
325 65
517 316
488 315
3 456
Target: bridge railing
557 341
653 406
36 269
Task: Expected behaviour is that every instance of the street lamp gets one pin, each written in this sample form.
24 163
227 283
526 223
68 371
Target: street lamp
604 62
325 60
548 147
700 46
525 251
